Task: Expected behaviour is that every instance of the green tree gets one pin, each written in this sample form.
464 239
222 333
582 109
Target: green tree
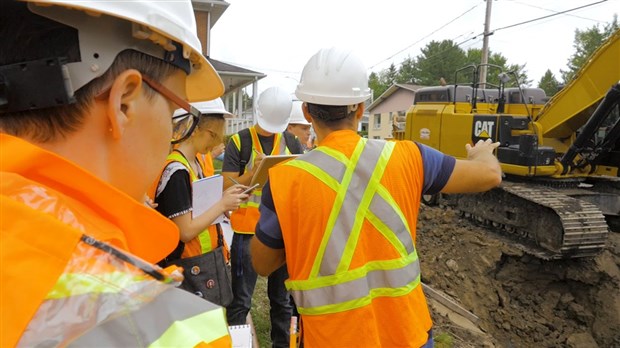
585 43
549 83
406 71
374 83
439 59
474 56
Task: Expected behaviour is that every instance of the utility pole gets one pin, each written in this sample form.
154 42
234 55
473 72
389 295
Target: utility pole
485 45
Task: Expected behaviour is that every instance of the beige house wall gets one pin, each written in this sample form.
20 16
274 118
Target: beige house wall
399 101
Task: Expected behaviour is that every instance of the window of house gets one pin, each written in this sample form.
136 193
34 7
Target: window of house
376 137
377 121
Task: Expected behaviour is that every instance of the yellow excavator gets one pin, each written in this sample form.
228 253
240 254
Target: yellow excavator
561 156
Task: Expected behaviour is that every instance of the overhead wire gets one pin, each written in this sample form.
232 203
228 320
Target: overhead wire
428 35
508 26
548 16
554 11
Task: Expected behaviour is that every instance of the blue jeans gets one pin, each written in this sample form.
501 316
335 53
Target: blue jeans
243 283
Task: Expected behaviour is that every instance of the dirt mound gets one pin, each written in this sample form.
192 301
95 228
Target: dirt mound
521 301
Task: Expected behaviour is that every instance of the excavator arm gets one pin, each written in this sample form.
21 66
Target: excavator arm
572 107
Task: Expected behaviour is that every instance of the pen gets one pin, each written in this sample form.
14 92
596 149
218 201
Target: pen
233 180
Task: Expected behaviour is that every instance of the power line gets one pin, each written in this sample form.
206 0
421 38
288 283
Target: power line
554 11
433 32
548 16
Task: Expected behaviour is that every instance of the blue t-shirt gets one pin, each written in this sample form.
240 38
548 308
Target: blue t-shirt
437 170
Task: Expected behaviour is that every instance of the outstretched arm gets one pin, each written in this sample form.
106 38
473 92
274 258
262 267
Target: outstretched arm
479 172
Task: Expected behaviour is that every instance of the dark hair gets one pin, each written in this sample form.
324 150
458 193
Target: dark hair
35 37
330 116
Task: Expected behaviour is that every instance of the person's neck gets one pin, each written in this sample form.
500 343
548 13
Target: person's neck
188 150
323 132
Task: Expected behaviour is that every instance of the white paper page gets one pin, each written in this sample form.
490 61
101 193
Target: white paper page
241 336
205 193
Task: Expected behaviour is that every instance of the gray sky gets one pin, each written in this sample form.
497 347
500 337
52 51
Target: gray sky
277 37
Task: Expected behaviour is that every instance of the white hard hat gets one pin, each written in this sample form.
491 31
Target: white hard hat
274 109
162 29
215 106
297 114
333 76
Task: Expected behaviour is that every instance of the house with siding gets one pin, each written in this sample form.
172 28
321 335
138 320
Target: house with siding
387 113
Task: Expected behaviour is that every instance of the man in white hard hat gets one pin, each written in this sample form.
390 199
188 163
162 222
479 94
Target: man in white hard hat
343 216
87 93
299 126
243 154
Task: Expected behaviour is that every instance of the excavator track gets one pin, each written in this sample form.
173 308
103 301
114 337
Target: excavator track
542 221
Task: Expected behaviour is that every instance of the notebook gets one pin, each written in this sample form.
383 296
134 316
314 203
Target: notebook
241 336
262 172
205 193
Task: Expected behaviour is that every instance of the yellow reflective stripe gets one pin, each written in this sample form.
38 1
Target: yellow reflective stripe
74 284
175 156
205 327
333 153
236 140
385 194
361 302
349 249
373 188
357 273
205 241
387 233
316 172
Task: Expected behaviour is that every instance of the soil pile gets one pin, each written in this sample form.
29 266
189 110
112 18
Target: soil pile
521 301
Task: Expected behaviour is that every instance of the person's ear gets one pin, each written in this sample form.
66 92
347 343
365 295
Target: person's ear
359 113
123 100
304 108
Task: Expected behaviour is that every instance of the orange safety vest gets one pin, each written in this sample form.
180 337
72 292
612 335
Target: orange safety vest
51 271
354 271
206 162
244 219
208 239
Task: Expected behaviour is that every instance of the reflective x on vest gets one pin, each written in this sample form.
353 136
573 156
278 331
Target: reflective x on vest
332 287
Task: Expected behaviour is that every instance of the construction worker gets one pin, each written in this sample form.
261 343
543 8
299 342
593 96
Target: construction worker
343 216
87 92
242 156
173 196
298 125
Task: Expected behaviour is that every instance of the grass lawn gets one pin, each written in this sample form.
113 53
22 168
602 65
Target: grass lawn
260 313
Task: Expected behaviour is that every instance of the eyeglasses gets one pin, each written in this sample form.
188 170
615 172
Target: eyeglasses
182 125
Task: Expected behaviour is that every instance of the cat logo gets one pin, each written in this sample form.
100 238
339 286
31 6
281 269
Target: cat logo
484 127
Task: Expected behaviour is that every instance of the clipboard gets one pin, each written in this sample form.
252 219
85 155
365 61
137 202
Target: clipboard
262 172
205 193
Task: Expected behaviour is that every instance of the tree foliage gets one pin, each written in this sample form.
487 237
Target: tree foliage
440 60
585 43
549 83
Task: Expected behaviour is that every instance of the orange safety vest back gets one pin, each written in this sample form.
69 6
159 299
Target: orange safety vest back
244 219
354 271
208 239
51 271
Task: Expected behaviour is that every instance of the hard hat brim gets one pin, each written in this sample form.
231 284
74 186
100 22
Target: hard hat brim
204 83
270 127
